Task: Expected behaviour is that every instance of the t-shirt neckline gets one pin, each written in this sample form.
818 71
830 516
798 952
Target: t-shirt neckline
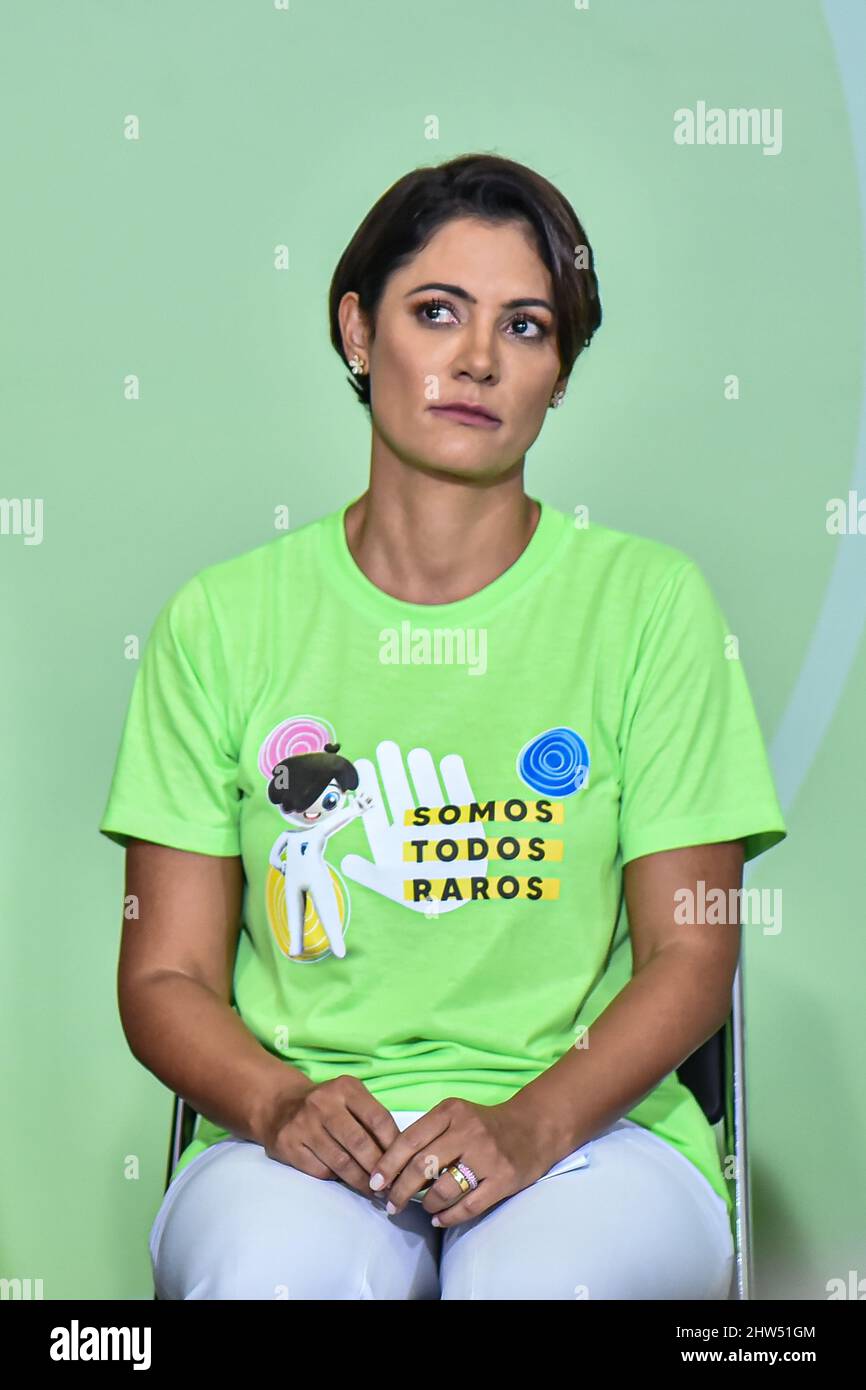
340 567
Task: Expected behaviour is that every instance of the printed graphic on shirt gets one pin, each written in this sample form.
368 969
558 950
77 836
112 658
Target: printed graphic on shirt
431 850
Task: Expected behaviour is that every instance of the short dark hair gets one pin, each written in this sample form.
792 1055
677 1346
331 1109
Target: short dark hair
298 781
492 189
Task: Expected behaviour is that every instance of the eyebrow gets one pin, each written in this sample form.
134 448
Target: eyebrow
464 294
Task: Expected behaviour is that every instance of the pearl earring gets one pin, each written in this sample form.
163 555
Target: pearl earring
557 398
358 365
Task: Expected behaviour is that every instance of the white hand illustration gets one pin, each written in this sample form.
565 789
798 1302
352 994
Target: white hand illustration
387 871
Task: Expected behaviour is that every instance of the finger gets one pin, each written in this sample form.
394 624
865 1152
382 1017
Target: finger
385 881
425 777
341 1163
375 819
429 790
414 1159
356 1140
306 1162
458 791
486 1195
362 871
446 1190
374 1116
419 1177
394 777
418 1141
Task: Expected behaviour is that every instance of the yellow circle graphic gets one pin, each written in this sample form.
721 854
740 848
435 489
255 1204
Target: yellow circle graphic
315 941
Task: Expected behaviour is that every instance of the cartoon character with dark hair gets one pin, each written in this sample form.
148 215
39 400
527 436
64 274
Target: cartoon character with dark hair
308 789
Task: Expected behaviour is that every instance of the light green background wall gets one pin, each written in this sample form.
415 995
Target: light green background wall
264 126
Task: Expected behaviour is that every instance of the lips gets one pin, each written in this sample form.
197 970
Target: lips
471 414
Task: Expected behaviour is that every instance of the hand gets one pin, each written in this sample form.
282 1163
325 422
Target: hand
334 1130
506 1149
387 871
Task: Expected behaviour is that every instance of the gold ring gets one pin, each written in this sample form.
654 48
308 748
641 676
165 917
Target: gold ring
460 1178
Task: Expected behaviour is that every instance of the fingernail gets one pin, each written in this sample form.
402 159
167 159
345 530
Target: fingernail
435 1221
377 1181
390 1208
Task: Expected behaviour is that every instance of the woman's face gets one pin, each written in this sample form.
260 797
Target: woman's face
477 333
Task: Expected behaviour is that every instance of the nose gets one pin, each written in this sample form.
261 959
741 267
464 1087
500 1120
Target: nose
478 354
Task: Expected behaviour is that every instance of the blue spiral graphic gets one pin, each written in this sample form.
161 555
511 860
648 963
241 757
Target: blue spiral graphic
555 763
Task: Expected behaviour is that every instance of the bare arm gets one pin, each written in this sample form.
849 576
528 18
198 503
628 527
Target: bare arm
174 986
678 997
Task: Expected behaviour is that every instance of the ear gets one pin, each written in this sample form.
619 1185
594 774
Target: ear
353 326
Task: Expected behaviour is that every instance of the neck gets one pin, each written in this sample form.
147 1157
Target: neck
428 539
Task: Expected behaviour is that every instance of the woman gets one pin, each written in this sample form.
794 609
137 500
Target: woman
418 801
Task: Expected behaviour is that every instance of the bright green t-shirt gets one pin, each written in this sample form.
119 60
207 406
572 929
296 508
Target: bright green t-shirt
437 906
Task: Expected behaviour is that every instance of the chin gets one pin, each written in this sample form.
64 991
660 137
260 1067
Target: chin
463 468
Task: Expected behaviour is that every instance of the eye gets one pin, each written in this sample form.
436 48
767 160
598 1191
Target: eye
528 318
437 306
329 801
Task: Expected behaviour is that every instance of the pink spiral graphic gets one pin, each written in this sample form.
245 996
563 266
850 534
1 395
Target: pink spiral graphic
301 734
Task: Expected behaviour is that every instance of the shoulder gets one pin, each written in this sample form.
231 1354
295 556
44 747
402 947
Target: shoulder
236 588
625 566
240 576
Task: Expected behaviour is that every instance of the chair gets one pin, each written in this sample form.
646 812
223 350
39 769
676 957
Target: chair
183 1120
715 1075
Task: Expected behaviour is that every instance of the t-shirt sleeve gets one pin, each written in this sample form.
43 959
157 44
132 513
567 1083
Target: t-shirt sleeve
175 779
694 768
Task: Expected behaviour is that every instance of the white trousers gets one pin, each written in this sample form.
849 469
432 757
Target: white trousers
626 1216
